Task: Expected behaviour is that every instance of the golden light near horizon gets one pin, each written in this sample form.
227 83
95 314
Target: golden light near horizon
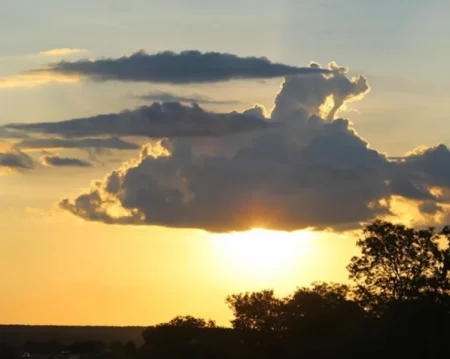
261 257
37 78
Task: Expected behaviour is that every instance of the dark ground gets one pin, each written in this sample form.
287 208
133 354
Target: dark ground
17 335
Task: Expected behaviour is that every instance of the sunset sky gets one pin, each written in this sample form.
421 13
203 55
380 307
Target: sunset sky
196 168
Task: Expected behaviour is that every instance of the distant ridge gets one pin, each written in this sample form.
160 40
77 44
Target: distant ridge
17 335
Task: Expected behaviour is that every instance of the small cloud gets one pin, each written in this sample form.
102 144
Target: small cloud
56 161
14 161
65 51
36 78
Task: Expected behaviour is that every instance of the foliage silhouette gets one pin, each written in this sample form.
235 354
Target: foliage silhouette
189 322
399 263
258 310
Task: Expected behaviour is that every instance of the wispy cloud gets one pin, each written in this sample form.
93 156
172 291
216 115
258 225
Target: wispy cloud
6 134
65 51
161 96
54 143
36 78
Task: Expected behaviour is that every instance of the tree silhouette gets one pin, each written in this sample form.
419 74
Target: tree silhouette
321 302
322 311
398 263
189 322
258 310
184 337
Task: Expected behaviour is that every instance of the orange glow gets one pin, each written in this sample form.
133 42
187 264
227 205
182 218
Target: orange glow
407 211
36 78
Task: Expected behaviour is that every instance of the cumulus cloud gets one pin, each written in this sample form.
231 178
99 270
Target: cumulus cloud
180 68
62 52
421 172
161 96
431 165
170 119
270 181
57 161
100 143
319 95
15 160
270 184
312 172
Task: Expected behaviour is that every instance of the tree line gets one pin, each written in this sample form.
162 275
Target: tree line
396 305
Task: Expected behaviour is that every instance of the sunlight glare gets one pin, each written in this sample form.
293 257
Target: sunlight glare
261 256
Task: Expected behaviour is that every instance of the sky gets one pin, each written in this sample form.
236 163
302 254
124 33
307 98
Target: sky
121 203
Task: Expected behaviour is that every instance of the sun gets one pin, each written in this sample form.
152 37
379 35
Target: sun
261 256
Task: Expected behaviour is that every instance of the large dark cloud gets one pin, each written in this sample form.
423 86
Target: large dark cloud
270 184
315 171
170 119
161 96
271 181
16 160
100 143
57 161
181 68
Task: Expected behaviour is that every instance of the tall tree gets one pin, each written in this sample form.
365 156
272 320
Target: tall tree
398 263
